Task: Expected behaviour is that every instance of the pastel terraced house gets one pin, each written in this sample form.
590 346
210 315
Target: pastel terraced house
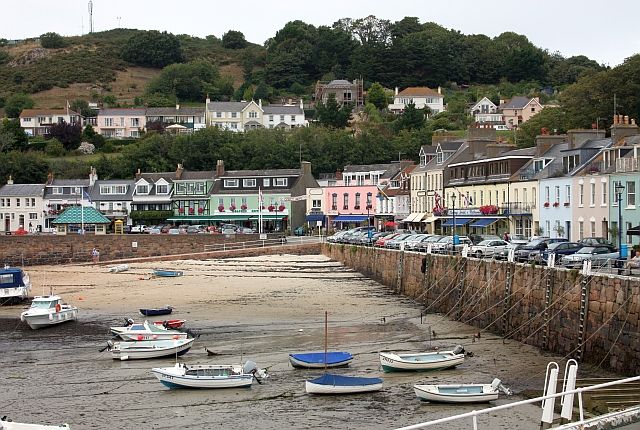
37 122
121 123
519 110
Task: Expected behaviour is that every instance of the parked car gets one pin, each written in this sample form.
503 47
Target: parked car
559 249
196 229
412 243
599 256
299 231
518 239
522 254
504 253
382 240
422 246
156 229
137 229
445 244
488 248
370 240
335 236
596 241
165 228
395 242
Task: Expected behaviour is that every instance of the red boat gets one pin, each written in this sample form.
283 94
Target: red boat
172 324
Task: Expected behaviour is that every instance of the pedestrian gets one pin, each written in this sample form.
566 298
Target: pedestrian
95 255
506 236
30 227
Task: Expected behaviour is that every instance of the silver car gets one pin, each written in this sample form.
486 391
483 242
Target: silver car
598 255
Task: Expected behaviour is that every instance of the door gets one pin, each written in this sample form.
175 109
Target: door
567 230
7 224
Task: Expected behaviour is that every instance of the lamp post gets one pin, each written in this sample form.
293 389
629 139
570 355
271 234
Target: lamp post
368 217
453 227
619 188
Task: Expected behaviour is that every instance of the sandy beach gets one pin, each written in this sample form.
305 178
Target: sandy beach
261 309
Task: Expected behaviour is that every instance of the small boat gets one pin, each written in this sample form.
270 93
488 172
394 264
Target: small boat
46 311
171 324
119 268
165 273
14 285
209 375
156 311
338 384
462 393
146 331
12 425
422 361
149 348
320 360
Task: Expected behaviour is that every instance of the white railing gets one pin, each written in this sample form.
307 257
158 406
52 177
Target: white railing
264 243
474 414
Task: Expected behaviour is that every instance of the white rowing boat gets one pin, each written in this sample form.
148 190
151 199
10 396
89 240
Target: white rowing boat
461 393
422 361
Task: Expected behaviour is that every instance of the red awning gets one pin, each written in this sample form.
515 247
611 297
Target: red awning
390 224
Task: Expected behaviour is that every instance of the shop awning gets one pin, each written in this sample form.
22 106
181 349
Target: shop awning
459 222
350 218
314 217
483 222
265 217
430 219
414 217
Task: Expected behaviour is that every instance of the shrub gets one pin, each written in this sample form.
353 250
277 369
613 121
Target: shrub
54 148
52 40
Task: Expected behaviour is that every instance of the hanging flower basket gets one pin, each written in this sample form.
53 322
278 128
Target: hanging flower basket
262 207
546 204
271 208
192 211
243 207
556 204
489 210
439 211
221 208
232 207
281 208
200 210
180 210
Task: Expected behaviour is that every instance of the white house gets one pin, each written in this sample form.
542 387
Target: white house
421 97
283 116
21 205
486 112
37 122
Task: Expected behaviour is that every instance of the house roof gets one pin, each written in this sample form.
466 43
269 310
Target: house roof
122 111
172 111
339 83
366 168
26 113
189 175
483 99
260 173
419 91
282 109
81 214
227 106
69 183
517 102
22 190
94 192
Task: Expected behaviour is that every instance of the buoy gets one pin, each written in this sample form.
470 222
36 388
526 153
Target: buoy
155 336
58 307
175 336
140 337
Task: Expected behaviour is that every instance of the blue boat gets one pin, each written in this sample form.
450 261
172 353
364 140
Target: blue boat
339 384
320 360
14 285
167 273
156 311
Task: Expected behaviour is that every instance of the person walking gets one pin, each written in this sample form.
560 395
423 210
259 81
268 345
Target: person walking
95 255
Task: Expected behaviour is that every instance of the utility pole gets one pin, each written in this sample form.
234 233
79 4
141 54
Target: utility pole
90 16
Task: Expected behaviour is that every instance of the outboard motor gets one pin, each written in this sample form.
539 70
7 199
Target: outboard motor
250 367
459 349
128 322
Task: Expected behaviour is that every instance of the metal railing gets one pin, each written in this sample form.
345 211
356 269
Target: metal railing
474 414
264 243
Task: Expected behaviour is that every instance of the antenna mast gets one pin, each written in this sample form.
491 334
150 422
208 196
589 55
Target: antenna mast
90 16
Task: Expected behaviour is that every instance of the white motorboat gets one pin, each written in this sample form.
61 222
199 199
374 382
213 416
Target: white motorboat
462 393
14 285
149 348
339 384
12 425
209 375
46 311
422 361
146 331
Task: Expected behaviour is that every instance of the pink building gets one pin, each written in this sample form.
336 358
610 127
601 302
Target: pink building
121 123
349 205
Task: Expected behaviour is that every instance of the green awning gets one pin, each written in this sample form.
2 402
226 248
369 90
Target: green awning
81 215
255 217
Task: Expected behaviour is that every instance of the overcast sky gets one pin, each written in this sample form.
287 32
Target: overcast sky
603 31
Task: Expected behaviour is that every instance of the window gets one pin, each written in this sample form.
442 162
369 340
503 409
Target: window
281 118
616 196
221 201
548 228
439 156
266 182
249 183
270 118
345 204
280 182
558 194
162 189
481 198
135 122
218 114
253 114
357 203
533 196
233 126
546 194
142 189
593 229
33 215
592 195
316 204
293 118
580 230
26 119
234 114
108 122
334 202
604 194
581 194
567 201
631 193
18 202
231 183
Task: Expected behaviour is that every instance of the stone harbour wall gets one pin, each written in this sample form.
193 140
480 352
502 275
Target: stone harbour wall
595 319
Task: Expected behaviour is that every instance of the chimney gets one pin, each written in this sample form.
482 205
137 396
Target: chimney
138 174
439 90
546 141
301 104
396 91
50 178
93 176
260 103
305 168
208 100
177 106
623 127
577 137
10 180
220 168
179 171
338 175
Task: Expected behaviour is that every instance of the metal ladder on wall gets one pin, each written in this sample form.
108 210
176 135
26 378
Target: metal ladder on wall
548 296
507 298
584 309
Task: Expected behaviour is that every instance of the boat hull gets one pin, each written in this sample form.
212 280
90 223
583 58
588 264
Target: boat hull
156 312
419 362
14 285
42 320
338 384
316 360
150 349
12 425
12 296
167 273
175 381
456 393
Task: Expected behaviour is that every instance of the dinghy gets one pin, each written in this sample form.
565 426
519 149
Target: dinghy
149 348
338 384
319 360
46 311
166 273
156 311
462 393
119 268
146 331
12 425
209 375
172 324
422 361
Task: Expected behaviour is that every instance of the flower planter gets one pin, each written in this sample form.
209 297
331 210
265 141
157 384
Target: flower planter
221 208
281 208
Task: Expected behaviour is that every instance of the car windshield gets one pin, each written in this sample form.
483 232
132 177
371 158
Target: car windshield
485 242
586 250
532 245
554 245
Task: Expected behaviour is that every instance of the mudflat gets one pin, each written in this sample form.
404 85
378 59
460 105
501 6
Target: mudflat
258 309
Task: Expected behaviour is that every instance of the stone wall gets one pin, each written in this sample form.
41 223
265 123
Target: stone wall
536 305
52 249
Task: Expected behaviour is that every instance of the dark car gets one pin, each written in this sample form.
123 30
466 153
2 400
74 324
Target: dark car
299 231
559 249
541 244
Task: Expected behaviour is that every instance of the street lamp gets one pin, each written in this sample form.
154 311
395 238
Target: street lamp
453 227
368 216
619 188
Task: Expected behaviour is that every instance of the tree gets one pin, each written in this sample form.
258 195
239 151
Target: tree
54 148
551 118
410 119
82 107
332 115
233 40
377 96
70 135
12 137
152 49
52 40
187 82
16 103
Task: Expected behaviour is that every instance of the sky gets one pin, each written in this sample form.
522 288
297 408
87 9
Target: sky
605 32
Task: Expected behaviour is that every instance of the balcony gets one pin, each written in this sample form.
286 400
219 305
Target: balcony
625 165
517 208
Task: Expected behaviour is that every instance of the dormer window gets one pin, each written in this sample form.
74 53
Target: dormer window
439 156
280 182
231 183
423 160
162 189
142 189
570 162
